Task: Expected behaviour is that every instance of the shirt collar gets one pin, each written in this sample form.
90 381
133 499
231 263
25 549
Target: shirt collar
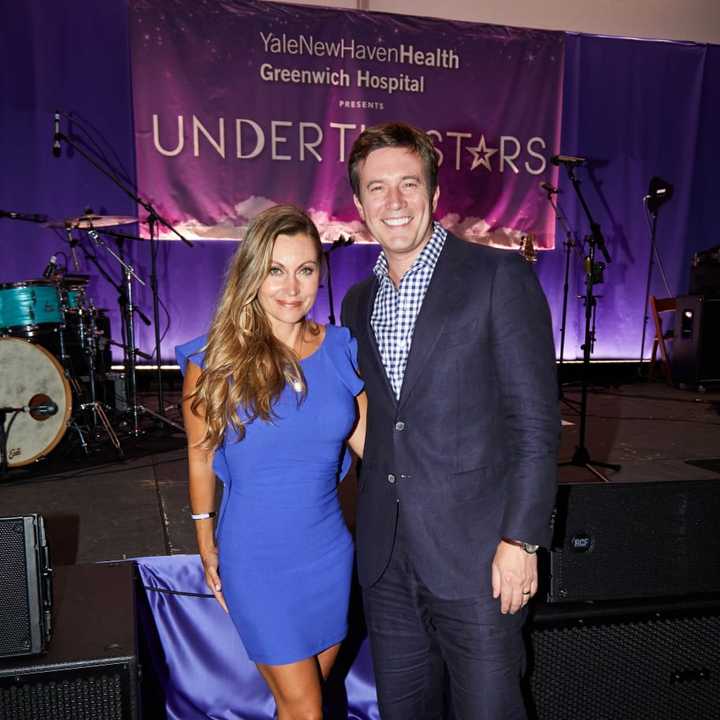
428 255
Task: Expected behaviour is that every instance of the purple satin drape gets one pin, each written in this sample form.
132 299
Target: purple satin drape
202 665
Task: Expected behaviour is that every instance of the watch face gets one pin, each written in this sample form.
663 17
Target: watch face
532 549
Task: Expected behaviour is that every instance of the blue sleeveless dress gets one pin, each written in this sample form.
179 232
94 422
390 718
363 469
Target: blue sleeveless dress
285 553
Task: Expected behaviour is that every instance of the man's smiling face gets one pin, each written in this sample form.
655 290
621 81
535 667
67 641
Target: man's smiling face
395 202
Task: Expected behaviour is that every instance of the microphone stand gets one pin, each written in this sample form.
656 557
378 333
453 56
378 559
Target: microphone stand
569 244
152 220
654 257
593 276
342 241
157 218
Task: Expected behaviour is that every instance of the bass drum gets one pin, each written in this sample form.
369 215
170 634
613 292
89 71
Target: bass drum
32 376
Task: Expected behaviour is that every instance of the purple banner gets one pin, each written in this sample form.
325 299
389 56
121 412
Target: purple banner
243 104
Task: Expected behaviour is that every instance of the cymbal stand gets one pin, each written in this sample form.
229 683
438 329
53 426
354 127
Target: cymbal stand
593 276
129 324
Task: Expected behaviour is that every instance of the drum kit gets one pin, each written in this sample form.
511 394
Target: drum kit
55 354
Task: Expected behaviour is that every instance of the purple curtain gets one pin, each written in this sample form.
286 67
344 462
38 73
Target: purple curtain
636 108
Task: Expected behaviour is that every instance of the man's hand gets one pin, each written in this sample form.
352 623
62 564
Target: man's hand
514 577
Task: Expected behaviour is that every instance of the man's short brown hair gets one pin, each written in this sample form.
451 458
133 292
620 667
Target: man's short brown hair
399 135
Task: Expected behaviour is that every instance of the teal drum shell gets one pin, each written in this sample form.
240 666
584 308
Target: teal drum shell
74 298
28 304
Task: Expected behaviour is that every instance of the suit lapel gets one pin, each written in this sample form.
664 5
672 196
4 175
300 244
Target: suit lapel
441 300
367 303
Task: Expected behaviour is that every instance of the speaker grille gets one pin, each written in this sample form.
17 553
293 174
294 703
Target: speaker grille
90 694
650 669
635 540
15 621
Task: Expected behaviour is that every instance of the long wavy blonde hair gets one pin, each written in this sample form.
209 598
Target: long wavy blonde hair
246 366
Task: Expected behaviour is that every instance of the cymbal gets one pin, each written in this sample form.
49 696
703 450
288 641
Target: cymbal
84 222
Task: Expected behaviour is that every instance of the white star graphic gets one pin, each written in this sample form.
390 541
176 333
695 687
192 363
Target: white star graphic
481 150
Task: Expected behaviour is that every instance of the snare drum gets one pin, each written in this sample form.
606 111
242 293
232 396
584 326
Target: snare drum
29 305
31 375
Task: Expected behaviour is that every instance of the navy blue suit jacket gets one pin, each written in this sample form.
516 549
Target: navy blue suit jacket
468 453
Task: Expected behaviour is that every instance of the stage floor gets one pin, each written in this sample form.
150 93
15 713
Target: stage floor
139 507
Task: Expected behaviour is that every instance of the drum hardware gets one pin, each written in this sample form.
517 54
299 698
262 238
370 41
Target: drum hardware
133 407
89 342
129 326
154 219
89 221
73 242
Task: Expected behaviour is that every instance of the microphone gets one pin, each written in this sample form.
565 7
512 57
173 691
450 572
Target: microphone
571 160
659 192
51 267
27 217
44 410
549 189
56 135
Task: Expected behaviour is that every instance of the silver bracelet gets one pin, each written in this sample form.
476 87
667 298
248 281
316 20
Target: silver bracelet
203 516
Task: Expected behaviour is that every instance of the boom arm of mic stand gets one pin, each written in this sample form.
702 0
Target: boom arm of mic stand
127 268
597 235
93 259
112 176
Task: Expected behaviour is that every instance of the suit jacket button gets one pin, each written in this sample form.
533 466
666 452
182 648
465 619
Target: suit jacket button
399 425
391 478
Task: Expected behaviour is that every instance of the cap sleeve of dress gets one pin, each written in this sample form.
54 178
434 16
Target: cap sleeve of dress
191 351
342 348
343 352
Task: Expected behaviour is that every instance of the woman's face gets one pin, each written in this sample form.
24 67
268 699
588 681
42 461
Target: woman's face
290 288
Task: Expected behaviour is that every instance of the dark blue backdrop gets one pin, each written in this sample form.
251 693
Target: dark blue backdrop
636 108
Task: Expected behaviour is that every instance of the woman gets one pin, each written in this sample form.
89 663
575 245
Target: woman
270 399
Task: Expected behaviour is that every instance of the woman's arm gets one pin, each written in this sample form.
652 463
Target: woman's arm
357 439
202 484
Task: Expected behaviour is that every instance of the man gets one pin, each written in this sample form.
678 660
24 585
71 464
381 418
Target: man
459 471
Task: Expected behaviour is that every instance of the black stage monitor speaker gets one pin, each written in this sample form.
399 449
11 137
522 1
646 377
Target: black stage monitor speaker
635 540
25 586
695 355
90 671
625 661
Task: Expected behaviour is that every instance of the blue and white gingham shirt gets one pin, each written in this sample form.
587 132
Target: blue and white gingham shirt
396 309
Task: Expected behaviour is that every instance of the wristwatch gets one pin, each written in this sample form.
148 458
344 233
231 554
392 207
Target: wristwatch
527 547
